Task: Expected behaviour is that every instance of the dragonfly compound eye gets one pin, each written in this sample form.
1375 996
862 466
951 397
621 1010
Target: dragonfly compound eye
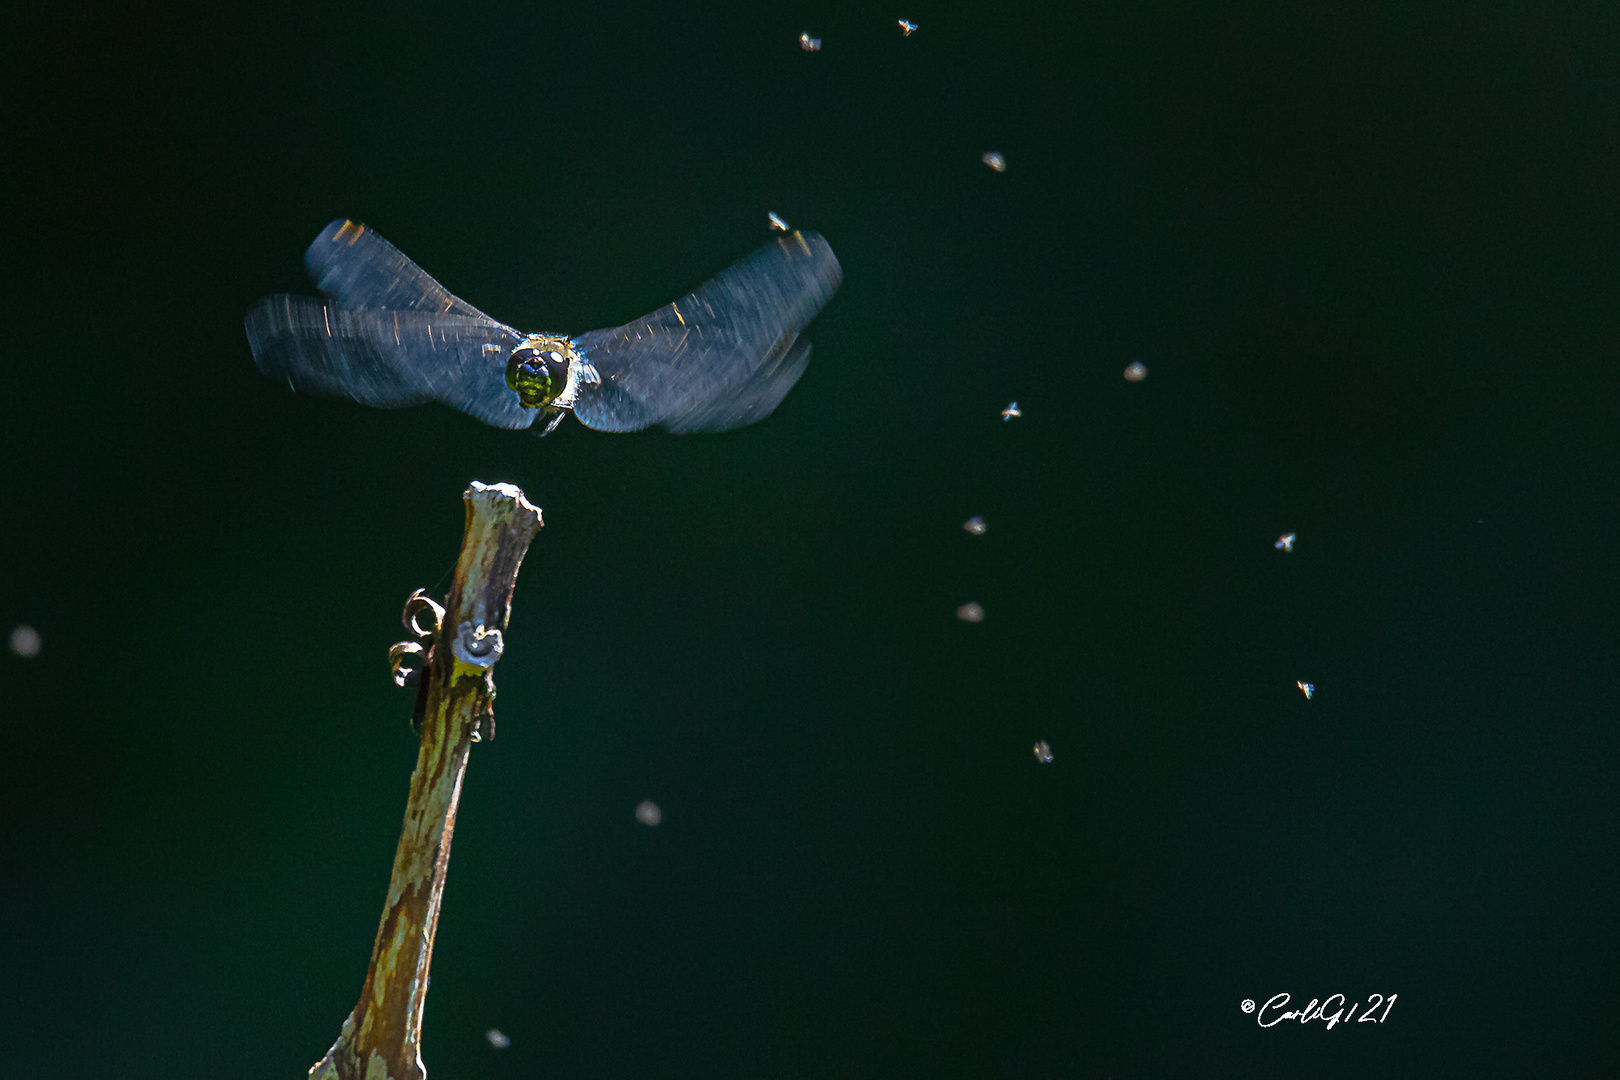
536 375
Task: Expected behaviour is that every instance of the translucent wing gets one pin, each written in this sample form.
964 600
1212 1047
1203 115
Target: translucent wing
719 358
388 359
355 268
754 401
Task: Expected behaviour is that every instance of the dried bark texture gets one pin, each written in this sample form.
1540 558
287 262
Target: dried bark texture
381 1038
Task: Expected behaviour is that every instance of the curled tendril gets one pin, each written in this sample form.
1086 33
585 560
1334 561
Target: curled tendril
417 603
406 672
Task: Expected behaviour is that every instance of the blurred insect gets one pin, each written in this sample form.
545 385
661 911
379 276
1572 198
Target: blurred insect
1043 753
386 335
777 223
1285 542
648 812
497 1038
995 161
809 44
1136 372
1306 688
970 612
907 27
25 642
975 525
1011 411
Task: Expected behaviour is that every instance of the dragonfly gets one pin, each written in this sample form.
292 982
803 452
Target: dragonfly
386 335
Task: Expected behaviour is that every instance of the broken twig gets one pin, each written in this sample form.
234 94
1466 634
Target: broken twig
381 1039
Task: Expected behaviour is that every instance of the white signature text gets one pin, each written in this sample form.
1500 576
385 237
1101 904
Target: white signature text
1276 1010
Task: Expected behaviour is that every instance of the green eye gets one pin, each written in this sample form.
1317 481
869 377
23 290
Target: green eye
536 377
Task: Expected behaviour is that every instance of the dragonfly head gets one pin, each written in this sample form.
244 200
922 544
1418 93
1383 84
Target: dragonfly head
538 369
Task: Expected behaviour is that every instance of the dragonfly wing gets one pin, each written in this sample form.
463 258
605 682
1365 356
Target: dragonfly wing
355 268
719 358
754 401
387 359
608 407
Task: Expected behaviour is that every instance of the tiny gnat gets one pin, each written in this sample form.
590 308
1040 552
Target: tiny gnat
497 1038
970 612
907 27
975 525
995 161
1011 411
648 813
809 44
25 642
1136 372
1043 753
1285 542
1306 688
777 223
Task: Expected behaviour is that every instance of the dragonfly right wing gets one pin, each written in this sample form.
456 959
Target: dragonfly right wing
387 359
719 358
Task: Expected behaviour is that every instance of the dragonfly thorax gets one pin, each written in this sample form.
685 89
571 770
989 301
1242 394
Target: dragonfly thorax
538 369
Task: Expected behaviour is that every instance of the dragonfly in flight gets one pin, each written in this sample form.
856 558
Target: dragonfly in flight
385 334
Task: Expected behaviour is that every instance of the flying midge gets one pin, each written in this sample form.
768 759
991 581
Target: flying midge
386 334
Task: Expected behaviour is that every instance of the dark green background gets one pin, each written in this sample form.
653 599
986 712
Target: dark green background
1369 255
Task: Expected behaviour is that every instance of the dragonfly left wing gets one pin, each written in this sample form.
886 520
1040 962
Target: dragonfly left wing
388 359
355 268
